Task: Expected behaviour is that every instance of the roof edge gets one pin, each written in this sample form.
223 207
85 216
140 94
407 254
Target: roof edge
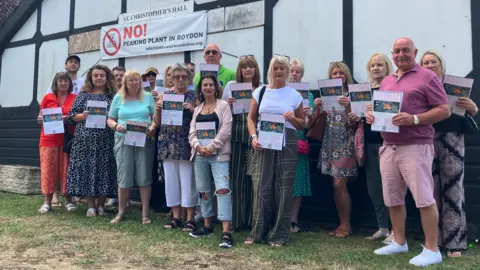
16 20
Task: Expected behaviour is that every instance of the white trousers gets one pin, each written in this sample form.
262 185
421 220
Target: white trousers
179 183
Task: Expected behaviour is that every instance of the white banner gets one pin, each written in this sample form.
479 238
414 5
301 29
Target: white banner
157 12
172 34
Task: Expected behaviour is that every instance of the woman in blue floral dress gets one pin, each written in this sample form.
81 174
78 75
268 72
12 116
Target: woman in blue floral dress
338 149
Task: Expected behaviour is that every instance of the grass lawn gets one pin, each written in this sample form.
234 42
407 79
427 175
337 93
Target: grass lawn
66 240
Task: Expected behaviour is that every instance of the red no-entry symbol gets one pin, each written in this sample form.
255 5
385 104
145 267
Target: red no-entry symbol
115 45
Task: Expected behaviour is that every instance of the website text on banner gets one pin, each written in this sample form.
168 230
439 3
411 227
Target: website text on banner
172 34
157 11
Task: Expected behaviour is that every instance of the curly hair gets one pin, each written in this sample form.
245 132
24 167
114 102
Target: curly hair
110 85
218 89
61 76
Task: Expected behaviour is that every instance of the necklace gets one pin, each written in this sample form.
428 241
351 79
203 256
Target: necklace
209 107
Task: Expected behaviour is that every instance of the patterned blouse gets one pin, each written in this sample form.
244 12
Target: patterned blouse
173 140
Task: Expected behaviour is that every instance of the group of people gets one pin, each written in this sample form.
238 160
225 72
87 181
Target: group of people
257 188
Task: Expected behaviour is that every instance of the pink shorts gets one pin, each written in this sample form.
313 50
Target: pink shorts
403 166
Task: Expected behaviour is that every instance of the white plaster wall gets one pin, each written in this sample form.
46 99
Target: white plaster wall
145 5
89 59
239 42
51 60
28 29
55 16
160 61
443 25
16 87
90 12
311 31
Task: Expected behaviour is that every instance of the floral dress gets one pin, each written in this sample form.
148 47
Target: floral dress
173 140
302 175
338 146
92 170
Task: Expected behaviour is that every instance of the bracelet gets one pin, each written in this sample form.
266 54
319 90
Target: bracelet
115 128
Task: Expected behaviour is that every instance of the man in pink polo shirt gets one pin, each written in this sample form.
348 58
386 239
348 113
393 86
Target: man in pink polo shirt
406 157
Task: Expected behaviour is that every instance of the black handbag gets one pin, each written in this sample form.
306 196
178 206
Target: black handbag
67 140
456 123
469 125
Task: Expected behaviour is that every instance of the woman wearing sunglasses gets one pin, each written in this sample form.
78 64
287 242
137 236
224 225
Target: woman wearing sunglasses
242 154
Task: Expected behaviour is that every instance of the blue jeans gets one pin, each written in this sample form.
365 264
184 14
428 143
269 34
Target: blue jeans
205 168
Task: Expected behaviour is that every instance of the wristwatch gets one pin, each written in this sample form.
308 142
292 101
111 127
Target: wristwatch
416 121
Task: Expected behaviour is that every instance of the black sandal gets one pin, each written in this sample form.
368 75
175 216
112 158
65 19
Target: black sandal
173 224
190 226
293 225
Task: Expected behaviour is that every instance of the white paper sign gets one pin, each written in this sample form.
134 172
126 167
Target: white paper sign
206 133
146 86
303 88
97 114
187 32
52 121
386 104
242 93
457 87
331 90
206 69
157 12
360 97
271 131
136 134
172 110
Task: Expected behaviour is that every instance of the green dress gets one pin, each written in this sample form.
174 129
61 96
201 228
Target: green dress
302 176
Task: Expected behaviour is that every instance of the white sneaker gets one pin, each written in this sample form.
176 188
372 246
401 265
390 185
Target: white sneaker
393 248
427 257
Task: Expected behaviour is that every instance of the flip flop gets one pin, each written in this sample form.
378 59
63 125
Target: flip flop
44 209
146 220
117 219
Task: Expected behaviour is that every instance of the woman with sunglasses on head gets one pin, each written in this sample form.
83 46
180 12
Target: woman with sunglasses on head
378 67
92 172
212 160
301 186
174 152
448 169
53 160
337 156
274 172
242 153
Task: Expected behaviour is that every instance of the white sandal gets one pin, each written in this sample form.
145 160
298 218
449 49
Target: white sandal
71 207
44 209
91 212
101 211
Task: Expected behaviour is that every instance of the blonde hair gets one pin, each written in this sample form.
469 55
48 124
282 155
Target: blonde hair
165 77
124 89
383 58
439 57
297 62
282 60
344 68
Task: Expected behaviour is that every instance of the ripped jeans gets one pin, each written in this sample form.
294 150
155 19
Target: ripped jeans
205 168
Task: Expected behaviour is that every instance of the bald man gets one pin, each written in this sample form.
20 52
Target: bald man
213 55
406 157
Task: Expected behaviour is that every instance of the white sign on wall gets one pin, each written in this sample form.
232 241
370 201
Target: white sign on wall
157 12
171 34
